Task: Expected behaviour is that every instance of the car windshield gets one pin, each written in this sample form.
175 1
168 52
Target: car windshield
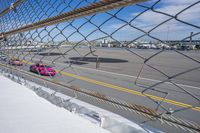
45 66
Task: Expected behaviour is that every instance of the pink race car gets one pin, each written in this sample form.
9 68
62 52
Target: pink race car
15 62
42 69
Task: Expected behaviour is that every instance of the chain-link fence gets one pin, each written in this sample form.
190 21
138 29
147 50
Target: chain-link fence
140 56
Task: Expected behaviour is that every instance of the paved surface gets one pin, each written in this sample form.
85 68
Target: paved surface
116 79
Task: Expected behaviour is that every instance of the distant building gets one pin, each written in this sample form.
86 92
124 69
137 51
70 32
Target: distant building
105 43
184 44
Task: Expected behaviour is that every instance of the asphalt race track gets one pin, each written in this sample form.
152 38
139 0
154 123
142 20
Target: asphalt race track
117 70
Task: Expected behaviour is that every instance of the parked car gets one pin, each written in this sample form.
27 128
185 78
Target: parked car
15 62
42 69
3 57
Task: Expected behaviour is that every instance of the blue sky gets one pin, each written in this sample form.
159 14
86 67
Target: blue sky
35 10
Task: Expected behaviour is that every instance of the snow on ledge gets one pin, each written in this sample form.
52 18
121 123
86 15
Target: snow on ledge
22 111
37 114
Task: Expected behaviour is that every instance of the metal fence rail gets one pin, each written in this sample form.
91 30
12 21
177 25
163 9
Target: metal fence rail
156 60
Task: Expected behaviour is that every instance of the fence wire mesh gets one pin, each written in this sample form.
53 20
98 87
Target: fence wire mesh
138 55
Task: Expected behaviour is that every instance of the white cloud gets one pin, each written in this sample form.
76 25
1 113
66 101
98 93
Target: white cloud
150 19
191 14
178 2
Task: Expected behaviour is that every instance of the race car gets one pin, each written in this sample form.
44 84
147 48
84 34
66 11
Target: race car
42 69
15 62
